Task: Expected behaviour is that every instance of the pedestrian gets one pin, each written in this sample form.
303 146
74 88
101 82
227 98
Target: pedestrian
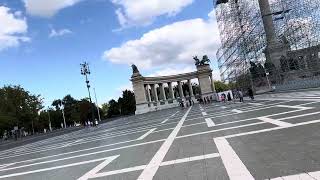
205 101
224 97
240 95
250 93
229 96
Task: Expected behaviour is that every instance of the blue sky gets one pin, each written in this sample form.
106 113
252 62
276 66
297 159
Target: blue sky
44 42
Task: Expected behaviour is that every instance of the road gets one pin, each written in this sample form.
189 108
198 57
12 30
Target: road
269 138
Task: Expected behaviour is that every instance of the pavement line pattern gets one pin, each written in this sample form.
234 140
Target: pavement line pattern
146 134
223 129
237 111
95 170
165 121
72 152
296 107
271 129
209 122
166 163
169 118
256 104
6 165
301 115
56 167
152 167
275 122
204 113
302 176
195 158
235 168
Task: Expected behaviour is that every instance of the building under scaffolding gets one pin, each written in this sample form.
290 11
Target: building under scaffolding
243 39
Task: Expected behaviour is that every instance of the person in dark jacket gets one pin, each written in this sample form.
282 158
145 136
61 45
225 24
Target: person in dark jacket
250 93
229 97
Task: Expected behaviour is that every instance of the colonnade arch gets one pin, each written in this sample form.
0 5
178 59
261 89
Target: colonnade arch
155 93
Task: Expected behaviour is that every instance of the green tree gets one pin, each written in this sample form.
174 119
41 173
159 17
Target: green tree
127 103
18 107
104 109
114 108
71 109
220 86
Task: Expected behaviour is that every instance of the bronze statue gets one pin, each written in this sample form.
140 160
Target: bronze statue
134 69
197 60
205 60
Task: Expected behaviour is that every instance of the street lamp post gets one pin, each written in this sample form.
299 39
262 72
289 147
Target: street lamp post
95 95
86 71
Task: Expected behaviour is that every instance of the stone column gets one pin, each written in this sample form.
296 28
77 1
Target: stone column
163 93
274 50
171 93
148 93
180 90
190 88
154 91
267 21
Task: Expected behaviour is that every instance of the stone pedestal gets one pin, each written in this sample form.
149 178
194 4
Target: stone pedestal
204 73
139 93
142 108
274 52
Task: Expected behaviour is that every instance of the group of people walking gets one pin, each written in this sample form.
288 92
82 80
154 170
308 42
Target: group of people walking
238 94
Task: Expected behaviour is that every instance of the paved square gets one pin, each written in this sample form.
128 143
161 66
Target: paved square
274 137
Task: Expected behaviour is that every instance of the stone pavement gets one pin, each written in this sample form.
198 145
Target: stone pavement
262 139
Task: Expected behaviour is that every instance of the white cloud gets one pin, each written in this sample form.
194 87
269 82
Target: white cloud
57 33
143 12
12 28
47 8
171 45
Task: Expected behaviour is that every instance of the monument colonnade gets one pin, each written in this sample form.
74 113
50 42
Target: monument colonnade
148 99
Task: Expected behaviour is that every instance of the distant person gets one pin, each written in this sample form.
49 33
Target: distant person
208 100
222 98
240 94
250 93
190 102
229 97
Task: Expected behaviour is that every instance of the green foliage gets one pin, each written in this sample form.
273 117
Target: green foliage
126 105
104 109
114 108
18 107
220 86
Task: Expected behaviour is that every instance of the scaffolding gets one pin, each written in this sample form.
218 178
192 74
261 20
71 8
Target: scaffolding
243 38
